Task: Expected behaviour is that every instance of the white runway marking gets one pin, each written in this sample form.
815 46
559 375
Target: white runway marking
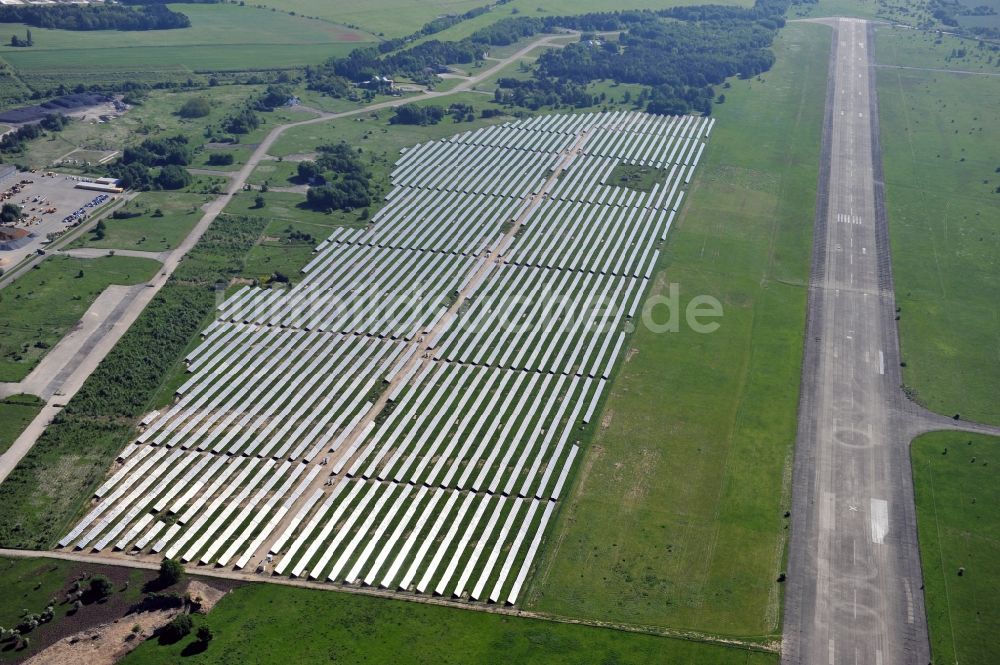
831 652
881 363
880 520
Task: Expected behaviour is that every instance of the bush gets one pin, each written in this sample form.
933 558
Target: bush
100 587
197 107
220 159
178 628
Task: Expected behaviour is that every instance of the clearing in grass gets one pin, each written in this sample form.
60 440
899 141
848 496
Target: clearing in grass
956 481
676 515
162 220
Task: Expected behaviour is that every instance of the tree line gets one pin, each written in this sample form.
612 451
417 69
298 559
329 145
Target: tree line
14 142
679 53
95 17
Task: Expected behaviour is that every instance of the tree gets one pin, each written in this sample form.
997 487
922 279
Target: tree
220 159
258 201
173 177
308 171
205 634
100 587
196 107
171 571
179 627
11 212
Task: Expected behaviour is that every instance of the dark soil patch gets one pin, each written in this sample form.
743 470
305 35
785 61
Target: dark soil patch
126 598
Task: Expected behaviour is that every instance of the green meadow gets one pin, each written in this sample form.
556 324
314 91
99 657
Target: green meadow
150 232
221 37
957 487
263 623
42 305
941 153
16 412
675 517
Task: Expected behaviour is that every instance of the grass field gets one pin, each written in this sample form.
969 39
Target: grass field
957 493
42 305
395 18
918 48
146 232
156 116
16 412
560 8
676 510
221 37
32 584
262 623
940 149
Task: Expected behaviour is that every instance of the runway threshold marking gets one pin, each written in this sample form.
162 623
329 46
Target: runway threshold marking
881 363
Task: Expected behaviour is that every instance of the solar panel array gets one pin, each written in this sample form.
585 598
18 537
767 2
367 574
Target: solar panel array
404 415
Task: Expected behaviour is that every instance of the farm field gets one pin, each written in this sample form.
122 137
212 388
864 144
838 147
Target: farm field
940 153
41 306
221 37
263 623
517 8
676 510
361 369
957 489
16 412
396 18
150 232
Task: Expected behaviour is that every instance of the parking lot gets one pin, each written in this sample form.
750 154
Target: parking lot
50 204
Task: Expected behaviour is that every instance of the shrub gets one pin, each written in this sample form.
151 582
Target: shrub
197 107
100 587
178 628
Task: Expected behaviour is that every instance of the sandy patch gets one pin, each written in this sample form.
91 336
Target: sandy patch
105 644
204 596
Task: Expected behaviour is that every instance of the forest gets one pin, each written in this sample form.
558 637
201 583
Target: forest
343 181
679 53
95 17
170 154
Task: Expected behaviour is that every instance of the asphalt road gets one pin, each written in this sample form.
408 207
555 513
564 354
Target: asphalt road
854 590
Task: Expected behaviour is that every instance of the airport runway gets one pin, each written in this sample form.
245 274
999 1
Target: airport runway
854 584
